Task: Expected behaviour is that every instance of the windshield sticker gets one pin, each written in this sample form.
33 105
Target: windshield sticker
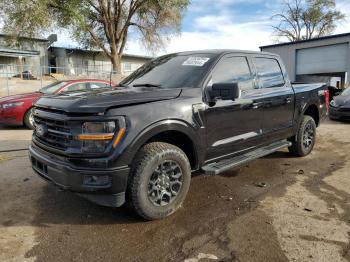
195 61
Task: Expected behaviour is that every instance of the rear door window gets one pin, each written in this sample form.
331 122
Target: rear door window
269 72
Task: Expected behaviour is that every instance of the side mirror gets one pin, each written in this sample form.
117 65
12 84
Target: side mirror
224 91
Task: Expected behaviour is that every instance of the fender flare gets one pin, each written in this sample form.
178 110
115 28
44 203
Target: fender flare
302 109
162 126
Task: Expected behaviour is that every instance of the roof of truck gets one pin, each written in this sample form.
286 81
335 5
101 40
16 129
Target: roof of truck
223 51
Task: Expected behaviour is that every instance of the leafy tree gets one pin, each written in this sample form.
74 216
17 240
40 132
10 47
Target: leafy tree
103 24
307 19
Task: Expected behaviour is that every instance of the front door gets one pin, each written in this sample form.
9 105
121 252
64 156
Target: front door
234 126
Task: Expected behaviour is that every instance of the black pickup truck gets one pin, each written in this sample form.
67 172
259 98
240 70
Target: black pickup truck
206 110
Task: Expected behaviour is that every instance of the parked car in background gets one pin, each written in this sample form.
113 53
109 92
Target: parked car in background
334 91
16 109
26 75
340 106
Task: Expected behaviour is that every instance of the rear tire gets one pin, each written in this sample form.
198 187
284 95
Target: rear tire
160 180
305 139
29 119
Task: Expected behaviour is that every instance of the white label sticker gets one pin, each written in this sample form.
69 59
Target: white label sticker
195 61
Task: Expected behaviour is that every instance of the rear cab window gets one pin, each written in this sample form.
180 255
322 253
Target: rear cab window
269 72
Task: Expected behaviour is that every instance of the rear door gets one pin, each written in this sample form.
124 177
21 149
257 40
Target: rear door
278 95
234 126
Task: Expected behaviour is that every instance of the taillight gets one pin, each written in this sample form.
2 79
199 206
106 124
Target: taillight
326 97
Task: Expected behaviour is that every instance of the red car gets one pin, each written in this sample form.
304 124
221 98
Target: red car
16 109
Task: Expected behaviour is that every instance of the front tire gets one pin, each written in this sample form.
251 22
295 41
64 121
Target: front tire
305 139
29 119
160 180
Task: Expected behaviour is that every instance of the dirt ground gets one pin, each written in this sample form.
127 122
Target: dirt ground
278 208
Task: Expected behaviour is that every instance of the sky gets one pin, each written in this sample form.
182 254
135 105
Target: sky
220 24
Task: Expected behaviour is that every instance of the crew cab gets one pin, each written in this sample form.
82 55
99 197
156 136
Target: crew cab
210 110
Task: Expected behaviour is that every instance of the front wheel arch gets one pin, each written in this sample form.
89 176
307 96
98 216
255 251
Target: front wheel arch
156 132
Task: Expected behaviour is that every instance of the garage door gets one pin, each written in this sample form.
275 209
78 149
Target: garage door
325 59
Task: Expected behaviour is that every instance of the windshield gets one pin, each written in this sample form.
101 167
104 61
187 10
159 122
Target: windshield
171 71
346 92
52 88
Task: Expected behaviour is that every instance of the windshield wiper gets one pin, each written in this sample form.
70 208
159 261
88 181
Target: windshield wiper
146 85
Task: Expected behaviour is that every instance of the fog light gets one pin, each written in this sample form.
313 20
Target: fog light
97 180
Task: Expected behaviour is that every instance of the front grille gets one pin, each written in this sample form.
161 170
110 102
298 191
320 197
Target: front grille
344 109
54 133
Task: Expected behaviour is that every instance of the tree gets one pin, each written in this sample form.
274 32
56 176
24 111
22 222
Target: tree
103 24
307 19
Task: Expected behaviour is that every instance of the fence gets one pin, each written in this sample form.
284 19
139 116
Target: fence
16 79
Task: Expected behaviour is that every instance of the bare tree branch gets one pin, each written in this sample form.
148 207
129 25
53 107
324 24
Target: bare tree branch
305 19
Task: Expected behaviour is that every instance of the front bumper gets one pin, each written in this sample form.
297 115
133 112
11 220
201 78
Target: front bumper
110 193
12 116
341 114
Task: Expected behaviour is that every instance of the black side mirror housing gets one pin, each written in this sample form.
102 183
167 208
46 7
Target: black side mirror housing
224 91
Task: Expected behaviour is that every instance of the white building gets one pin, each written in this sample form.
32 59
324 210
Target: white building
76 61
39 57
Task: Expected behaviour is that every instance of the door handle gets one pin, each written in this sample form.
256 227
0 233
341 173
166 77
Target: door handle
288 100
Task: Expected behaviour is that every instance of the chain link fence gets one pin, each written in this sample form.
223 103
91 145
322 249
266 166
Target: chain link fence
17 79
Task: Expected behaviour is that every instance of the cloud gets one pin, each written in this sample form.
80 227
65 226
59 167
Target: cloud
223 31
223 24
344 6
64 39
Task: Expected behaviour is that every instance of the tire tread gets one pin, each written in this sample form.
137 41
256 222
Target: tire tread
296 147
146 154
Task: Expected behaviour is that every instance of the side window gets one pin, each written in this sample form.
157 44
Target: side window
269 72
233 70
75 87
127 66
98 85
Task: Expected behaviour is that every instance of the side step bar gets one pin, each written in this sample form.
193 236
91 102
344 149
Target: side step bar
227 164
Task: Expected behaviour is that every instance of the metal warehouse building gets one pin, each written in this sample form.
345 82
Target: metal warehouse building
325 59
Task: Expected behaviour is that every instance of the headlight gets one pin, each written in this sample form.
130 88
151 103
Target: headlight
11 105
97 136
99 127
333 104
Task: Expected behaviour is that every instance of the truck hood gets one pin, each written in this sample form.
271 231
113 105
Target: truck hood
102 100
